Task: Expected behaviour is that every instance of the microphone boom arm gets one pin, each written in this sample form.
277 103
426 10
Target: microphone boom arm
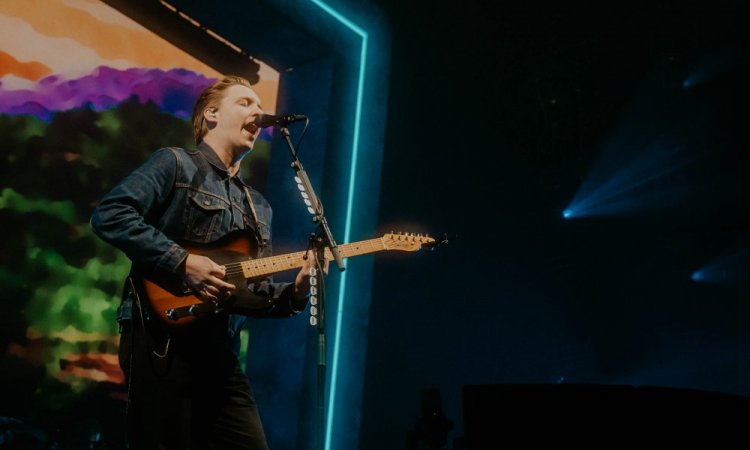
313 203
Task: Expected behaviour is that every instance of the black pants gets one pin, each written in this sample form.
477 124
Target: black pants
193 397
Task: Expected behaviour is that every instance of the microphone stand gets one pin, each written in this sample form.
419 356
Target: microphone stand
319 242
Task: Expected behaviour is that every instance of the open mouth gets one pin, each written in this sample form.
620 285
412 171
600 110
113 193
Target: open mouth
250 127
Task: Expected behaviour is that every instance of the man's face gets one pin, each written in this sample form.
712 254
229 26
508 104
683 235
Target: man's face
233 118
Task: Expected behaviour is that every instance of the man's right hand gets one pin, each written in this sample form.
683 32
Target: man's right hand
205 278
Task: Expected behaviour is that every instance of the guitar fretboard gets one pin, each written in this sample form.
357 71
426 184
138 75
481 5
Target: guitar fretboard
260 267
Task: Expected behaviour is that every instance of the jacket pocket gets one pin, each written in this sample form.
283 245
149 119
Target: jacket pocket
204 216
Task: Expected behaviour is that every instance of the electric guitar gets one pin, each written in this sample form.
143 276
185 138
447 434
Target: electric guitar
176 305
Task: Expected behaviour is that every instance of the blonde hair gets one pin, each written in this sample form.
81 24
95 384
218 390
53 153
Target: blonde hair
211 96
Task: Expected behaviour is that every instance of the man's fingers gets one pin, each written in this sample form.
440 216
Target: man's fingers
205 295
221 284
324 265
213 290
311 263
217 270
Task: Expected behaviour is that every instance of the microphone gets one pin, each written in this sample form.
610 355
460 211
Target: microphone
269 120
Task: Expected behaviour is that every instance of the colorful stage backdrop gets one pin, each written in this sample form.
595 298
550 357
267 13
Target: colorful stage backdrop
86 94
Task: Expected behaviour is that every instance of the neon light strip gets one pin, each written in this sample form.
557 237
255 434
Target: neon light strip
349 206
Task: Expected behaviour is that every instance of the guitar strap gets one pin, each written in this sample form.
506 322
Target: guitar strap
261 242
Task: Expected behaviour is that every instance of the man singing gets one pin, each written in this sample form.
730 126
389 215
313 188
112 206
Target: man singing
185 385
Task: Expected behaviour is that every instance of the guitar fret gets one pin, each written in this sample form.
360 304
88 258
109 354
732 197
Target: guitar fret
265 266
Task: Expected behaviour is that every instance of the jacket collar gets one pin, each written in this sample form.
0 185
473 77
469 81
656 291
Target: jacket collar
217 163
212 157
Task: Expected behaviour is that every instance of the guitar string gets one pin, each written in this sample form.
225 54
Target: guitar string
236 268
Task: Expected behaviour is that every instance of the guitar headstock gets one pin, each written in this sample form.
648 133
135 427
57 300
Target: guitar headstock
408 242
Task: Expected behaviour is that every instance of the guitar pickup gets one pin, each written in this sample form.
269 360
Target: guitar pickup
194 310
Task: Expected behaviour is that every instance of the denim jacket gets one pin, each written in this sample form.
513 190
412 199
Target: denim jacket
185 195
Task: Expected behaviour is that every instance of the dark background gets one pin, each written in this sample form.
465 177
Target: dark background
497 113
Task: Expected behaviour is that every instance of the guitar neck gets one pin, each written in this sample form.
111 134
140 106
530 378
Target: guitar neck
256 268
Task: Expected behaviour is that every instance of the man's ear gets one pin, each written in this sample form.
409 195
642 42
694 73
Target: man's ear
210 114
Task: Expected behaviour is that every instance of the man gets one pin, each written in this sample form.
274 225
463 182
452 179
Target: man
185 385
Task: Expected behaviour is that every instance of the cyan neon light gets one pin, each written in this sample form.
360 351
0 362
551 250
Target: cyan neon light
349 207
